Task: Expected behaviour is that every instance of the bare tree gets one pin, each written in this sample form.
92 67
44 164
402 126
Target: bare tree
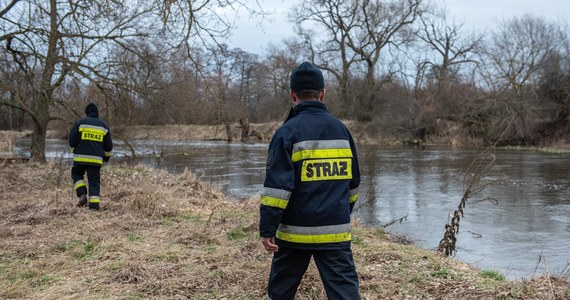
517 51
449 48
226 70
511 63
46 43
554 90
338 19
278 65
358 33
52 41
189 23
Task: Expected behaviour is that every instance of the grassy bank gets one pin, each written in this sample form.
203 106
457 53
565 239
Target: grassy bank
164 236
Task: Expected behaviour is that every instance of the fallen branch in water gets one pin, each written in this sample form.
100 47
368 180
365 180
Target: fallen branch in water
398 220
474 182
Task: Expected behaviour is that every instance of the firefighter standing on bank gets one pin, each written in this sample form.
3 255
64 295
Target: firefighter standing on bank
91 143
312 176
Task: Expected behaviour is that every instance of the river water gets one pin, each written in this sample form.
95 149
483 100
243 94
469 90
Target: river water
519 225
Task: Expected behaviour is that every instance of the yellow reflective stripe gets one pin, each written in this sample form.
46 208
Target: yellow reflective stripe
321 153
94 199
314 238
88 160
93 128
314 234
320 144
108 154
274 202
79 184
353 198
276 193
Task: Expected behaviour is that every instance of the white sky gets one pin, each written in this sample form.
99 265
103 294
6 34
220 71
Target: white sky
475 14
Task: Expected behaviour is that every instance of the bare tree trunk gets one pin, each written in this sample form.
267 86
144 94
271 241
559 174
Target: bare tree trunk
228 131
41 119
245 133
41 112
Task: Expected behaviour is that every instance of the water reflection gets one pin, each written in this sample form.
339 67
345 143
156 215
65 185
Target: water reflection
530 220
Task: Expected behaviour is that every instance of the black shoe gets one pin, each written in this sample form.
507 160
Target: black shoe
82 200
94 206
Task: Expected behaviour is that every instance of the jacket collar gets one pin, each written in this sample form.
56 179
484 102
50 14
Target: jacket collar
306 106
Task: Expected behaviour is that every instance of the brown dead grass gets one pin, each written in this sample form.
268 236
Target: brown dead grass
161 236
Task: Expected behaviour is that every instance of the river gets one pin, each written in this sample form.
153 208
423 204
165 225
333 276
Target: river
518 226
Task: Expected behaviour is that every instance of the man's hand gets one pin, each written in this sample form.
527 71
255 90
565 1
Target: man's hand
269 244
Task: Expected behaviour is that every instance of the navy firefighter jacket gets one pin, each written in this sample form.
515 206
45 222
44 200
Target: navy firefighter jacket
311 181
90 140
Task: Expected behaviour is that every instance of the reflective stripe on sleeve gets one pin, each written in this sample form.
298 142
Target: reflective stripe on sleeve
314 235
274 202
275 197
353 195
108 154
276 193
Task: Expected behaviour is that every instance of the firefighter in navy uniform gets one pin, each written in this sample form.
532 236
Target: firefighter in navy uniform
312 177
91 143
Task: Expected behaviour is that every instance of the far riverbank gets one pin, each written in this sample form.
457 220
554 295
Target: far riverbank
262 132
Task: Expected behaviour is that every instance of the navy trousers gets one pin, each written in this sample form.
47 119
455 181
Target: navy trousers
93 179
336 268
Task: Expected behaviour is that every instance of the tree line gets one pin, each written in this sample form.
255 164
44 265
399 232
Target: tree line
401 68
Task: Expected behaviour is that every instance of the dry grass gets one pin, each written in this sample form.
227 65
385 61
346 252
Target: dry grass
160 236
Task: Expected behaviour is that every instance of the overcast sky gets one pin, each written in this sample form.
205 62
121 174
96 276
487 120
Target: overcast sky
475 14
